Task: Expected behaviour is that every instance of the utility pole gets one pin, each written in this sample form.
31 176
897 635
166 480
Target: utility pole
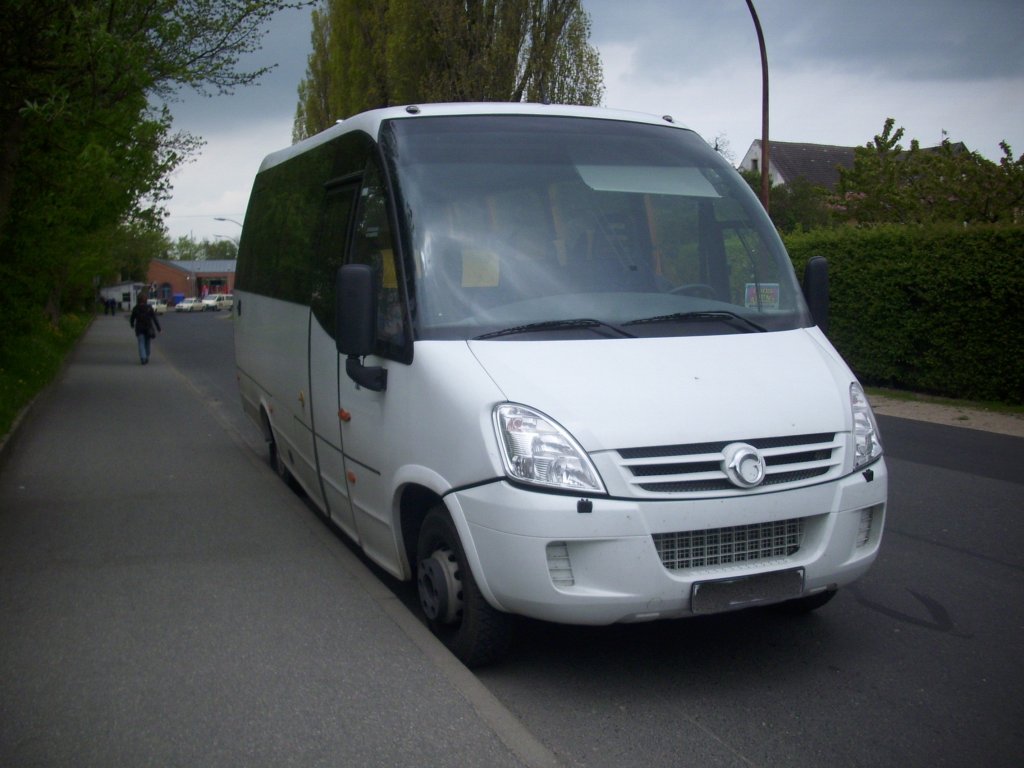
765 181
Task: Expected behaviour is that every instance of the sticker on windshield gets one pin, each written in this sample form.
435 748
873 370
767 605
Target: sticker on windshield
390 277
762 296
480 270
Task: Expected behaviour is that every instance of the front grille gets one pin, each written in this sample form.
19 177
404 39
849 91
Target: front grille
727 546
698 467
793 441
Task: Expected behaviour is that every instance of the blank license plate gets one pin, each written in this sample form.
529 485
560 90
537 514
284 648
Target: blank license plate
730 594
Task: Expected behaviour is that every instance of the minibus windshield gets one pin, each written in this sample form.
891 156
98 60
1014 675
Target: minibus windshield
520 225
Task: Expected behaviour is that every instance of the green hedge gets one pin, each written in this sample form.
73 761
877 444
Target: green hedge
938 310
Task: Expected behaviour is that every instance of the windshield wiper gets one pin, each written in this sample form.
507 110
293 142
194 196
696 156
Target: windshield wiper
721 315
554 325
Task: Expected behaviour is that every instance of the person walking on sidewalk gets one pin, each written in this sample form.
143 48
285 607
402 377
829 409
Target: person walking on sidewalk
143 320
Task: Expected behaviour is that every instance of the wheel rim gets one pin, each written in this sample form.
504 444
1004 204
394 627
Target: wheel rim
439 587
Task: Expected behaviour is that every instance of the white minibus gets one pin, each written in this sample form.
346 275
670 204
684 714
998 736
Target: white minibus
551 362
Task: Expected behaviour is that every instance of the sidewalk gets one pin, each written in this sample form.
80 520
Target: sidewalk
165 600
949 415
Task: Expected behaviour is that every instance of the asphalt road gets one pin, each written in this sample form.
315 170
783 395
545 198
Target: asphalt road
916 665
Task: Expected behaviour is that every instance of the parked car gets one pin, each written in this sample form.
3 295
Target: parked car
158 305
189 305
218 301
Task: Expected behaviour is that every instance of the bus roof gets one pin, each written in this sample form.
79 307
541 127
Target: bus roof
369 122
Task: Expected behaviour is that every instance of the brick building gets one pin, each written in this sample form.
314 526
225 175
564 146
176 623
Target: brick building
175 280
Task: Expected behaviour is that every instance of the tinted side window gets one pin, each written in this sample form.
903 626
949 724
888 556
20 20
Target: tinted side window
275 252
373 244
278 252
338 207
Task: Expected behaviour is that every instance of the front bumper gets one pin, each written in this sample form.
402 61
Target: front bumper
544 556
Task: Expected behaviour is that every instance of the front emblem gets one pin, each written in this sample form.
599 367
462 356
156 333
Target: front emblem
743 465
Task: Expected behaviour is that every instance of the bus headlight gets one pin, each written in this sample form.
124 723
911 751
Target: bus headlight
867 446
536 450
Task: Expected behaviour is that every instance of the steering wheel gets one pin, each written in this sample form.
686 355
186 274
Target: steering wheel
702 290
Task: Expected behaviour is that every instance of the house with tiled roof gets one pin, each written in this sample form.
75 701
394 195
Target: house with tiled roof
817 163
176 280
787 161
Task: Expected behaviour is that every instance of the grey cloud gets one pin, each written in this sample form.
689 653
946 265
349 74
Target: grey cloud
286 48
905 39
920 40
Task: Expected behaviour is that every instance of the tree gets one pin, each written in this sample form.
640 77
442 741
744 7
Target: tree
575 75
86 148
948 183
797 206
187 249
722 146
316 88
134 247
374 53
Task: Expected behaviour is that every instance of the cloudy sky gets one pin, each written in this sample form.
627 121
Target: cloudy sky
837 68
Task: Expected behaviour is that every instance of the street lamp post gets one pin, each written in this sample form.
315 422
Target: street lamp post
222 218
765 181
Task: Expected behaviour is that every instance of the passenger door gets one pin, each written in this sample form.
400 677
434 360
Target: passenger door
373 422
325 365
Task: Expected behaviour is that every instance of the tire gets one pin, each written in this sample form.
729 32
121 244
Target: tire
450 600
278 465
806 604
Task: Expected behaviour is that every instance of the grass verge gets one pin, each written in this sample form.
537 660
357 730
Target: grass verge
978 405
29 362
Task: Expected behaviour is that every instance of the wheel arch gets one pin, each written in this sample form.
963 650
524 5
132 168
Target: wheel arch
264 422
415 501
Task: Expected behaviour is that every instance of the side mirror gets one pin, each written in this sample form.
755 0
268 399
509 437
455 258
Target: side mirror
355 314
816 290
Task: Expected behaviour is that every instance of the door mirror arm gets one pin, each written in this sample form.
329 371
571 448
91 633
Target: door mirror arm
372 377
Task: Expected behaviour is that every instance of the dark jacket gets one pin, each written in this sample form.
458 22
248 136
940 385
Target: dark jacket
143 319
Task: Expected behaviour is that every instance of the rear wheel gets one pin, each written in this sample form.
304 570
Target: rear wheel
277 463
455 609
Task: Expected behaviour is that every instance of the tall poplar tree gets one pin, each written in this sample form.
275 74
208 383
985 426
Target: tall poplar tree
374 53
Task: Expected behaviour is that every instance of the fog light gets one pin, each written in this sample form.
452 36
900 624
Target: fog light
867 516
559 565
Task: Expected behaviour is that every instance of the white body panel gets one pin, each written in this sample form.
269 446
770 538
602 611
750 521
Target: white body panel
617 574
274 377
627 392
433 428
625 386
323 390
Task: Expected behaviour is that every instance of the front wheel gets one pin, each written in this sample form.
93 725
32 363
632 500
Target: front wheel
456 611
